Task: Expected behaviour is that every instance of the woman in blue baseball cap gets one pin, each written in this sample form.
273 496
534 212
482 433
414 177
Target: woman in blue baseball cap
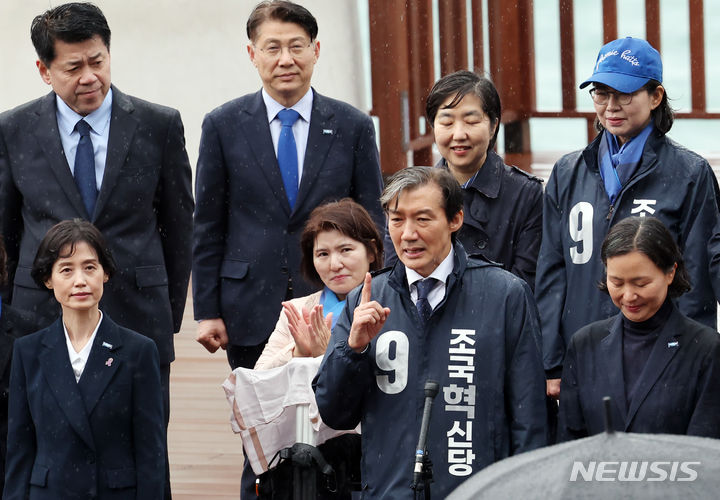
630 169
629 101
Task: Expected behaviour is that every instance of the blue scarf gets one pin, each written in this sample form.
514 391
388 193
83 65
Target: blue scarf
331 304
618 163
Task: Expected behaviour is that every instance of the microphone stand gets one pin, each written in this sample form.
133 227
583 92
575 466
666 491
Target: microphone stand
306 459
422 469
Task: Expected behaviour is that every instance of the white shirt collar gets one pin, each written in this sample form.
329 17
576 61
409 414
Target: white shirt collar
440 273
303 106
78 360
98 119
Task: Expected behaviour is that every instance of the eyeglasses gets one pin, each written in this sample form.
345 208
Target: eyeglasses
273 50
602 96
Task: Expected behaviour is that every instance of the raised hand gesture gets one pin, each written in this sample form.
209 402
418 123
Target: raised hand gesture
310 330
368 318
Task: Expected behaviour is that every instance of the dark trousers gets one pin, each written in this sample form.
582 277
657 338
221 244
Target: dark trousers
245 357
552 416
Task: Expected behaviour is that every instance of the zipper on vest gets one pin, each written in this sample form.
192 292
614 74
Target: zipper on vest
610 213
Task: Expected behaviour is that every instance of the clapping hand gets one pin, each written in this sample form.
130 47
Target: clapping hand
310 330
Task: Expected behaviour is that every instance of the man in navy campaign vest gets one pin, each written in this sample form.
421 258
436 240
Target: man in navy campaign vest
436 315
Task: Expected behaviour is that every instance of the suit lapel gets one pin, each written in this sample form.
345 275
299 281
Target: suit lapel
611 350
101 364
46 132
122 129
254 122
323 129
660 356
58 374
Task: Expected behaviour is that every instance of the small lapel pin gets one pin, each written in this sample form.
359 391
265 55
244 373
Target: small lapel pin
109 362
105 344
328 131
673 343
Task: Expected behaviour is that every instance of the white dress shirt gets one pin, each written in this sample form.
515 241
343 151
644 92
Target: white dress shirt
78 360
99 121
441 273
301 128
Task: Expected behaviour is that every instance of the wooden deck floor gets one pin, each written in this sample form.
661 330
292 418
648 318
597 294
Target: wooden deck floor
205 455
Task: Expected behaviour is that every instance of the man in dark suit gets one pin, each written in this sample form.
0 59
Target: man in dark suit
13 324
88 150
254 195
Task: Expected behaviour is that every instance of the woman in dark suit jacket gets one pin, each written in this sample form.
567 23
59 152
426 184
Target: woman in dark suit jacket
86 416
660 368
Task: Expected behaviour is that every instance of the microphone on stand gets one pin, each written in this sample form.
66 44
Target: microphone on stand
431 390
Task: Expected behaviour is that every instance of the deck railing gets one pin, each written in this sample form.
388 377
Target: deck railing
402 38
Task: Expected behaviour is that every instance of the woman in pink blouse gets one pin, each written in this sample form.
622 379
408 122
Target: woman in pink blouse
339 244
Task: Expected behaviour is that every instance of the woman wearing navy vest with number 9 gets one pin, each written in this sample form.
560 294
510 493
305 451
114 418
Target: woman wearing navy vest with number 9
631 169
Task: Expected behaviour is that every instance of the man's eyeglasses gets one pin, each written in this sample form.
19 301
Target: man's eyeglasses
602 96
275 49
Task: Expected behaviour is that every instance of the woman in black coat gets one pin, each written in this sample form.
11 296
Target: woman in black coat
502 204
660 368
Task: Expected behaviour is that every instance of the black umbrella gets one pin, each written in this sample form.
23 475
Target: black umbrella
604 466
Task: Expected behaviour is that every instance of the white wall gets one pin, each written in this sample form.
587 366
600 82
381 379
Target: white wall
188 54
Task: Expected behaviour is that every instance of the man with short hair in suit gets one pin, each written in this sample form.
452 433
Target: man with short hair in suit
87 150
254 193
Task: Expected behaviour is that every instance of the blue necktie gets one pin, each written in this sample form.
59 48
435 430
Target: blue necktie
422 304
85 168
287 154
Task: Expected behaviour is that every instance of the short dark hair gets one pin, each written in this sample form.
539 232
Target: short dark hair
69 23
460 84
347 217
69 233
413 177
662 117
650 237
283 11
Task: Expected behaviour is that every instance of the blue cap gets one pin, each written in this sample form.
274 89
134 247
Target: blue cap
626 64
